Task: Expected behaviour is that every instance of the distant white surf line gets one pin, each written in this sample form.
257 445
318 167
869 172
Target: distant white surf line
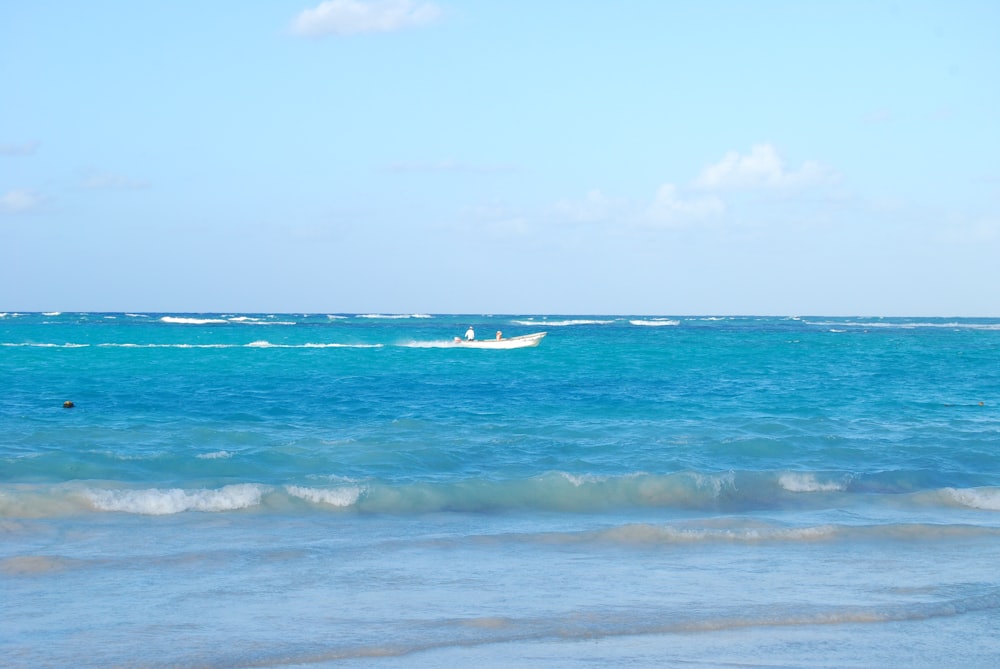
906 325
183 320
655 322
237 320
393 316
563 323
250 320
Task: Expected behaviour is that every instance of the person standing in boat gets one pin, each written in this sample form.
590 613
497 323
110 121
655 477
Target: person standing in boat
499 335
470 334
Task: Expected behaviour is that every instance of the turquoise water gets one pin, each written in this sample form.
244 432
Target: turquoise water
236 490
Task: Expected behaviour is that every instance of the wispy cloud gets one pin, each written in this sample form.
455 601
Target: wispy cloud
346 17
17 201
449 166
672 207
106 181
593 208
876 116
763 167
498 220
25 149
707 197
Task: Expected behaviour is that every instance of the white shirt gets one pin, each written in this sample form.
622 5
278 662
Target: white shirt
470 334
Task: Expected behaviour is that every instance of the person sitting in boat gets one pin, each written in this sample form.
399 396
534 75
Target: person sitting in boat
470 334
499 335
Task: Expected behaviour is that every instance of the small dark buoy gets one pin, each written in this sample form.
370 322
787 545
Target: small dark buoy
68 405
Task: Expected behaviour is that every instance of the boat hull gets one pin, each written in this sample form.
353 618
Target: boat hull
523 341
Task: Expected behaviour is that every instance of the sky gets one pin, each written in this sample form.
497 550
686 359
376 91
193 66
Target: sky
450 156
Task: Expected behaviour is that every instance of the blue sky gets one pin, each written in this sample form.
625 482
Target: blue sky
785 158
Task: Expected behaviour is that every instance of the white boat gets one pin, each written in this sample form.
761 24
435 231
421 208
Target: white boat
522 341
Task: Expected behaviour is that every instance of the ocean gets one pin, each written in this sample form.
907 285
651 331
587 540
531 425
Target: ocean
354 490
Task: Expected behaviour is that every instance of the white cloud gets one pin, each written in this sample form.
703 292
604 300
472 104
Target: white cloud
761 168
707 198
345 17
16 201
670 207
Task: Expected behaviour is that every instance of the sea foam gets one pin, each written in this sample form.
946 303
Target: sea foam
340 497
987 499
156 501
807 482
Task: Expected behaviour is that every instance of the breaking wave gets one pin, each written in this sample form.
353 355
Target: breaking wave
987 499
655 322
808 482
185 320
156 502
338 497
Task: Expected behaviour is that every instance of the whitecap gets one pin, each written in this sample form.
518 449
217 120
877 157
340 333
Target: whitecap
655 322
